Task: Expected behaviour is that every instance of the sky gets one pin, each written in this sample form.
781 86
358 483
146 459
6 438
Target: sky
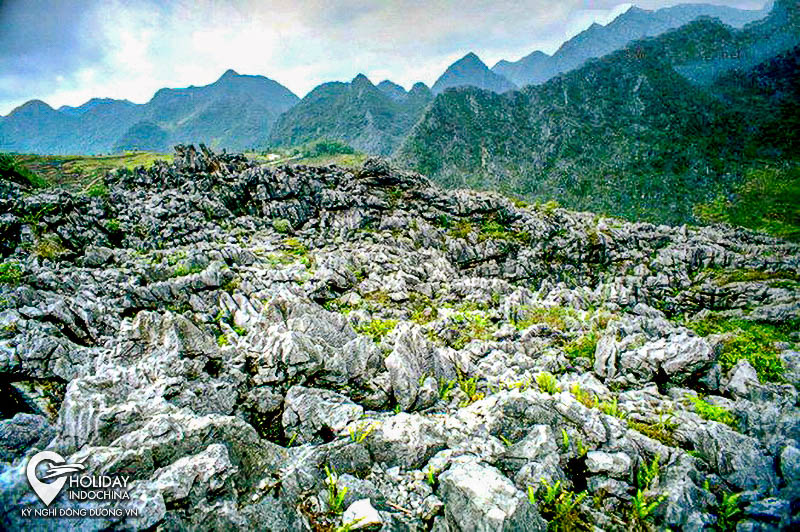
67 51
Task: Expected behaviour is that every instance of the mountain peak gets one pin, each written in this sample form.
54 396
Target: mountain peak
471 71
471 59
230 73
361 79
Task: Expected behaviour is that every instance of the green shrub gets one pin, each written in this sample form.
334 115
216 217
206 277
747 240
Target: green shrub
470 389
582 347
754 342
376 328
48 247
97 190
712 413
282 225
113 225
547 383
11 170
10 273
553 317
663 430
560 507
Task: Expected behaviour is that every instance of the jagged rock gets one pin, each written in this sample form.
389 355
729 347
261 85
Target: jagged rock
22 432
408 440
317 415
479 497
224 364
362 515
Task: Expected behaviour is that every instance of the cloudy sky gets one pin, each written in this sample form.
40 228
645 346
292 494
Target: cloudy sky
67 51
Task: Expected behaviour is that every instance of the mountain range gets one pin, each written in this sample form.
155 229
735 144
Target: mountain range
233 112
645 132
238 112
598 40
369 118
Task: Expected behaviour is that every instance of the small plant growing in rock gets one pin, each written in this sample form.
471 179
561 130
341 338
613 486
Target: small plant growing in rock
470 389
582 347
360 432
222 340
612 408
729 512
644 503
97 190
560 507
547 383
430 476
281 225
582 396
10 273
376 328
662 430
113 225
564 440
48 247
336 494
446 387
712 413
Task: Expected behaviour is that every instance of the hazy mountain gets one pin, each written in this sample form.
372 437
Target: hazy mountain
392 90
235 112
470 71
597 40
358 113
627 134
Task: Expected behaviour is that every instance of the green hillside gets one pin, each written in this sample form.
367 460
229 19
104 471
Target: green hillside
628 134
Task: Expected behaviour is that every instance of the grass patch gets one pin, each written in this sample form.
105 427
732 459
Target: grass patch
767 200
12 170
553 317
751 341
471 326
663 430
377 328
712 413
582 347
723 277
10 273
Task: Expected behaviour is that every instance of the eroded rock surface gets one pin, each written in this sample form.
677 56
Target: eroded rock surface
242 340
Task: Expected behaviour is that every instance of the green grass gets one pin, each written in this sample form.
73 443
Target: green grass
10 273
83 170
471 326
723 277
712 413
377 328
547 383
554 317
767 200
12 170
751 341
560 507
582 347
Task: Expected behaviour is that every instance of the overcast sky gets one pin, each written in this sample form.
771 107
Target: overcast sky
67 51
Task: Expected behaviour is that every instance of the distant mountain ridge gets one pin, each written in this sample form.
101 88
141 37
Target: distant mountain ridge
369 118
470 71
235 112
598 40
637 133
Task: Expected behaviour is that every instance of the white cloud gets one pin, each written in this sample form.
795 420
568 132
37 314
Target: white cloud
148 45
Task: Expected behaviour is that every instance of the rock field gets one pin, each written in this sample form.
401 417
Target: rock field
307 348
